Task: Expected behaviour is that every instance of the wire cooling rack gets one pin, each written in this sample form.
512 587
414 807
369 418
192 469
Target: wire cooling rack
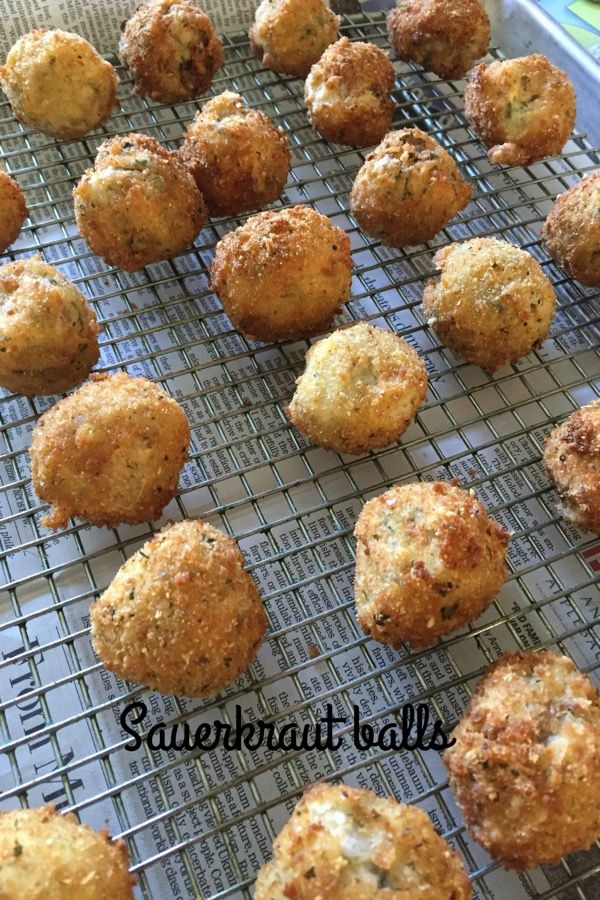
200 824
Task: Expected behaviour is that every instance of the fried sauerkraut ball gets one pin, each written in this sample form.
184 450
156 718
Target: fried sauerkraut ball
522 109
572 460
138 204
171 49
408 189
492 302
525 767
283 274
428 561
13 210
361 388
109 453
289 36
344 843
181 615
238 158
444 36
571 233
348 93
45 855
48 333
58 84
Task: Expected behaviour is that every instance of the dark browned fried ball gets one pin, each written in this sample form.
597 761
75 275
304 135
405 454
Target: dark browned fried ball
444 36
289 36
408 189
428 561
571 233
238 158
109 453
522 109
138 204
13 210
171 49
572 460
526 764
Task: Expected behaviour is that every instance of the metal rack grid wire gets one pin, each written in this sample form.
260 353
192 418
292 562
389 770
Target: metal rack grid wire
200 824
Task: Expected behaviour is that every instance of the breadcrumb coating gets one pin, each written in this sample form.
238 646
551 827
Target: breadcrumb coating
289 36
13 210
571 233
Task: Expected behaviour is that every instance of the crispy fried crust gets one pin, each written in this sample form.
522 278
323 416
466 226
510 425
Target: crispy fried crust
238 158
283 274
572 460
361 388
48 333
491 303
13 210
522 109
58 84
181 615
526 764
348 93
344 843
428 561
408 189
138 204
44 854
444 36
171 49
109 453
571 233
289 36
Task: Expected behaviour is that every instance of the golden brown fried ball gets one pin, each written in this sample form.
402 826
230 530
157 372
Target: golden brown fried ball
344 843
361 388
572 460
522 109
13 210
348 93
109 453
428 561
58 84
238 158
289 36
571 233
408 189
171 49
444 36
283 274
526 764
138 204
48 333
45 855
492 302
181 615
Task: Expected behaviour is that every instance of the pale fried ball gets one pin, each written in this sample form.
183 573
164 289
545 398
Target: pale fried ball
238 158
289 36
361 389
348 93
344 843
171 49
428 561
408 189
571 233
181 615
526 764
492 302
283 274
109 453
58 84
138 204
13 210
45 855
444 36
572 460
48 333
522 109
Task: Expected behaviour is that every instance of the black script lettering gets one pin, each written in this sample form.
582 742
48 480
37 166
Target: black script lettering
142 709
